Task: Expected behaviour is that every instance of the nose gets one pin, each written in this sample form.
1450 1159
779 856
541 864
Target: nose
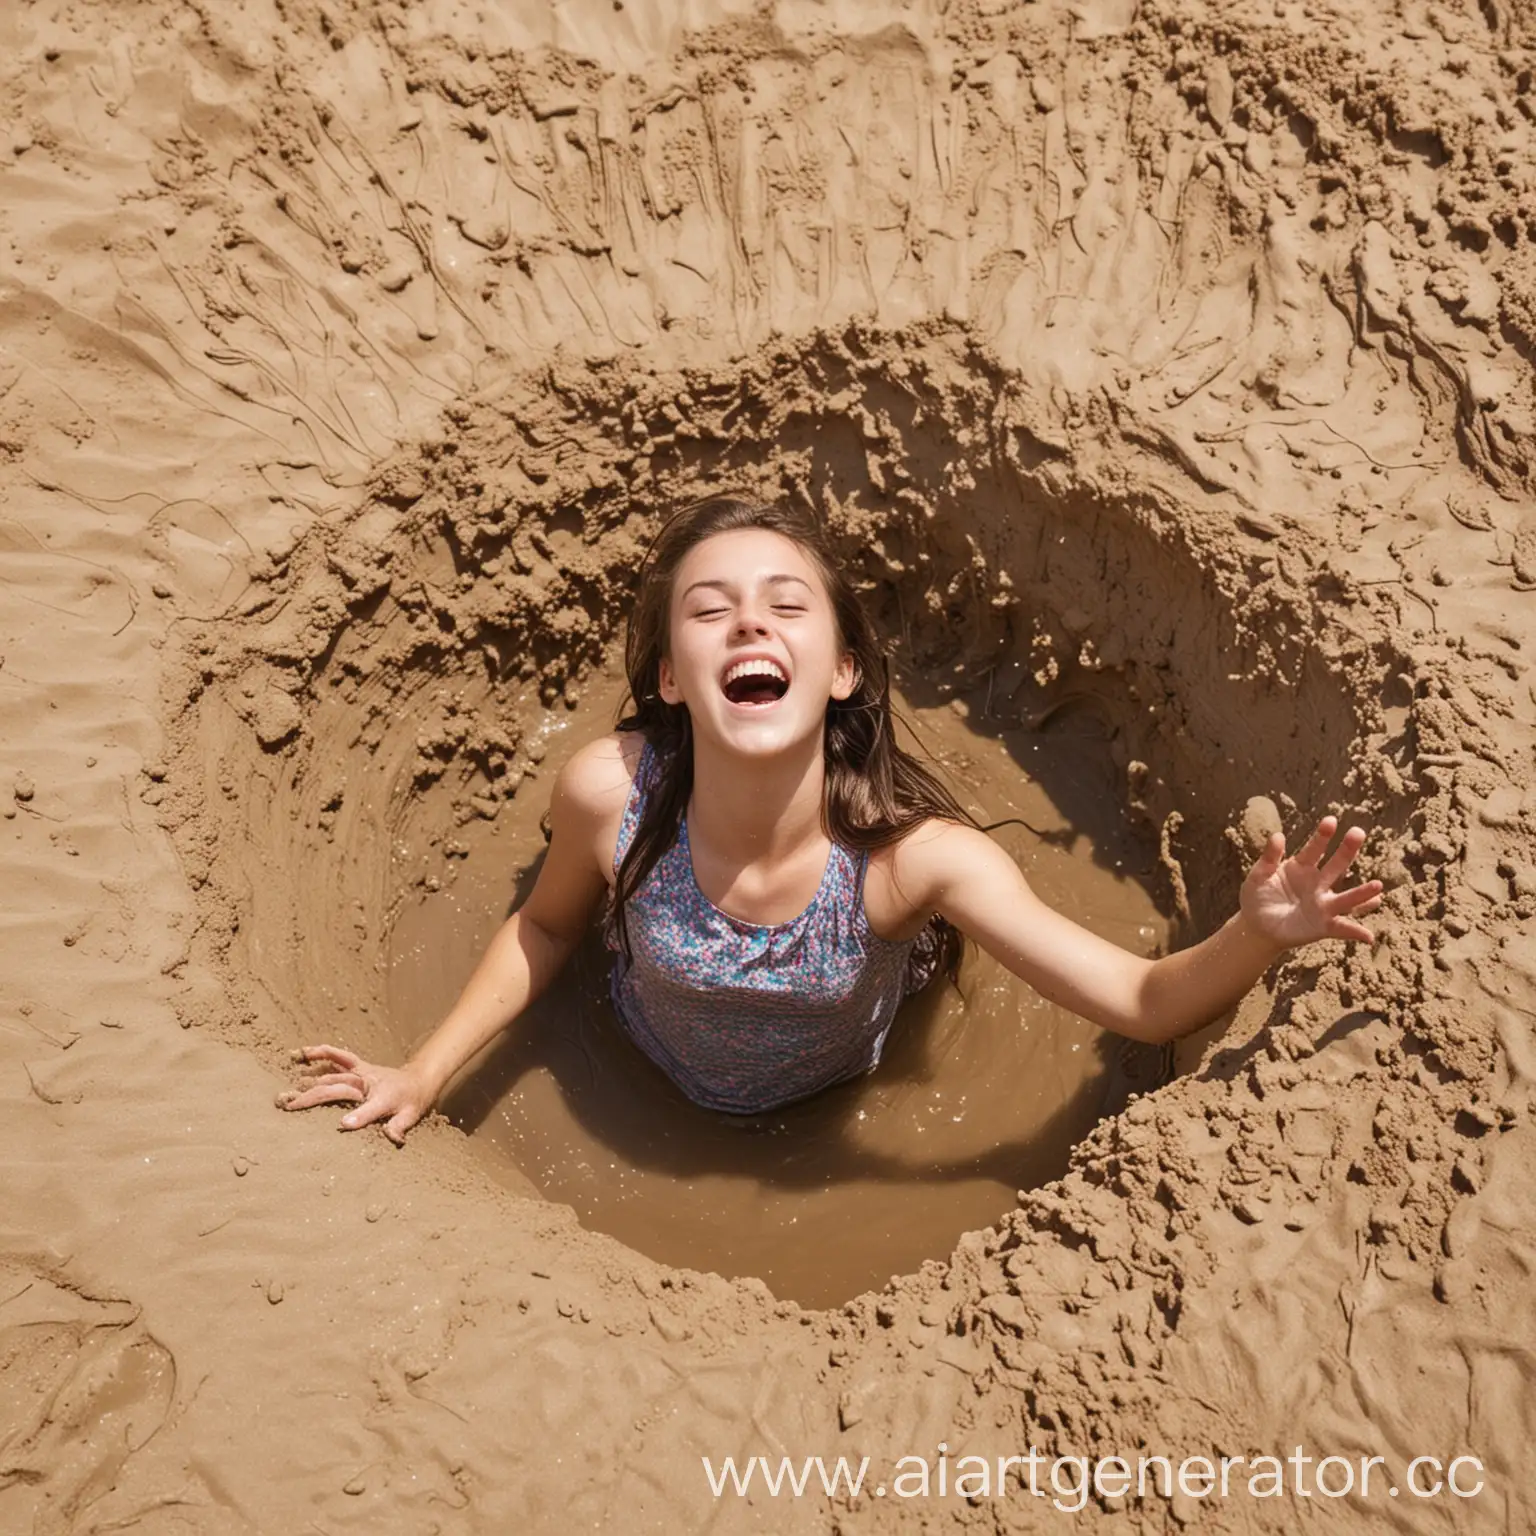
750 619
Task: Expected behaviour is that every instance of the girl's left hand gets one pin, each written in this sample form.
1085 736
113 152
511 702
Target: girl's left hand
1292 900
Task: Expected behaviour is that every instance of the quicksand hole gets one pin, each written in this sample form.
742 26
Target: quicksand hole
454 643
979 1093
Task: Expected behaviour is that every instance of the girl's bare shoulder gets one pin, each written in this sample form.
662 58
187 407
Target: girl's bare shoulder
906 875
932 841
933 855
596 781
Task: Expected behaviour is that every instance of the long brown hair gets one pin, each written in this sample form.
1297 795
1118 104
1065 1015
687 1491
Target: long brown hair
876 792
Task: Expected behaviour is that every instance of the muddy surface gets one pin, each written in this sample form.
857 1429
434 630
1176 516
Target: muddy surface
1163 371
982 1090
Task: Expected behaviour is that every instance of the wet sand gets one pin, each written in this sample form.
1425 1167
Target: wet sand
1164 366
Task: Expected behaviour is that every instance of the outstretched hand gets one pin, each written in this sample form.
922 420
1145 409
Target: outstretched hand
1292 900
336 1076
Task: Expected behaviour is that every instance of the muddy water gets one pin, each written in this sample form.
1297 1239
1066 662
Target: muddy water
981 1092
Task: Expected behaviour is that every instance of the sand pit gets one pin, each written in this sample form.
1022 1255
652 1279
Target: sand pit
1164 376
985 1088
832 1199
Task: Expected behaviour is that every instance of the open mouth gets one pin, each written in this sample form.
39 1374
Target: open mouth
758 682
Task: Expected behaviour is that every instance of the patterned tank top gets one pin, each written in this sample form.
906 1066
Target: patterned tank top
747 1017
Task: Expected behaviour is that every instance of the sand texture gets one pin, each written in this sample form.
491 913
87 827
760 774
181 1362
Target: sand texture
1171 363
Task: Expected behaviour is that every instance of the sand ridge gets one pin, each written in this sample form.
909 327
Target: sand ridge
352 348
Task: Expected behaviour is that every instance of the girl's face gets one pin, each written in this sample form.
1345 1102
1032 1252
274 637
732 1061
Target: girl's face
753 650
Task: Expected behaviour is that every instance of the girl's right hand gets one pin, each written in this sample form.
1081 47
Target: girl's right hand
336 1076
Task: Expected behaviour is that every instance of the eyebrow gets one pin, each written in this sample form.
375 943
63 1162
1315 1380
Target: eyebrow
726 586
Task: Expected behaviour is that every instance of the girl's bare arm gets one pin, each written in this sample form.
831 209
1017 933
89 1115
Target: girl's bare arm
961 873
536 941
520 961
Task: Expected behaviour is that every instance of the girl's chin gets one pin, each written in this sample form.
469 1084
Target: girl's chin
764 731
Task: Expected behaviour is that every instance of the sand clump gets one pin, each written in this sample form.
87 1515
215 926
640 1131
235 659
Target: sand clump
1167 364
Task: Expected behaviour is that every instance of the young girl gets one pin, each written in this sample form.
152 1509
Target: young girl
780 873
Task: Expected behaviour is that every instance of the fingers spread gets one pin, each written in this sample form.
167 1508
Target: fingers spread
1344 854
1365 898
1343 928
330 1080
399 1124
1313 851
365 1114
331 1093
349 1060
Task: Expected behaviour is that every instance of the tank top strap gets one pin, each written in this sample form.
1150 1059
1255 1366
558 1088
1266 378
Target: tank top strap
846 869
855 875
842 887
634 807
